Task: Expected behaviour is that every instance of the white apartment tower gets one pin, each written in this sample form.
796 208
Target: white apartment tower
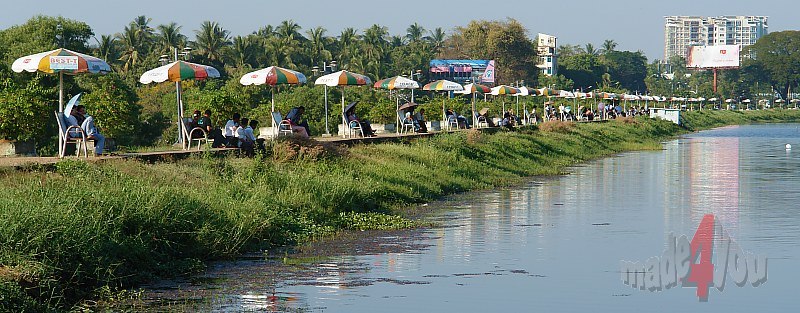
546 49
680 32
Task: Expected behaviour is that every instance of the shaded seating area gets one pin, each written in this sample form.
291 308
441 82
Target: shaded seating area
71 135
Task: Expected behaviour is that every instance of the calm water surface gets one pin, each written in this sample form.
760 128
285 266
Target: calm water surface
556 244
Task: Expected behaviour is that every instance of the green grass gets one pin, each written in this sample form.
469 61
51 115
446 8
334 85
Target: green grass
81 230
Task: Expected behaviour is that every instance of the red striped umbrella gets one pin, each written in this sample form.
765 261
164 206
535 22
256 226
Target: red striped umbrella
343 78
397 82
273 76
443 85
176 72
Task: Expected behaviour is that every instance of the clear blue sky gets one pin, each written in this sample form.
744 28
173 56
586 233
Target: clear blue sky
635 25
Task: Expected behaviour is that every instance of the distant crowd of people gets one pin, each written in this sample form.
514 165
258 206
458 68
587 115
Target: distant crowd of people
237 133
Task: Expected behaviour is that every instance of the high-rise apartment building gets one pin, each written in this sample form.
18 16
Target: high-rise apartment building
680 32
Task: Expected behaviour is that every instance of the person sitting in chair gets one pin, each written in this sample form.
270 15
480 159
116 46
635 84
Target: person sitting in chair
420 118
230 130
365 125
295 117
86 123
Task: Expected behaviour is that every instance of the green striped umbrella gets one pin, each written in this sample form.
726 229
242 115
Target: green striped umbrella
343 79
273 76
397 82
443 85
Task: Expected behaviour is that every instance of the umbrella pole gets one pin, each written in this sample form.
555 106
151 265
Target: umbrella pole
444 113
180 111
397 110
327 130
474 115
344 119
61 109
274 127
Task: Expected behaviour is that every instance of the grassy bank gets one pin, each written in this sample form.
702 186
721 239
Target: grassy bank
84 229
707 119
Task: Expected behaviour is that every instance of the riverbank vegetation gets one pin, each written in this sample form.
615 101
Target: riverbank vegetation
82 228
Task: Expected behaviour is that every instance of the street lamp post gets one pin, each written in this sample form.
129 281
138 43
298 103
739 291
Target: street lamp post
164 59
326 69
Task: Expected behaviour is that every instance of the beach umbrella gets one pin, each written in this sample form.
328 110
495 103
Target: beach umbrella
446 86
274 76
397 82
177 72
474 89
61 61
343 79
503 90
548 92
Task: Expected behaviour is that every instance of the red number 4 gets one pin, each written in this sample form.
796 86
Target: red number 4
701 273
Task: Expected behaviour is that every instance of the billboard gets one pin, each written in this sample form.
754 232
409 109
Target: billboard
461 71
724 56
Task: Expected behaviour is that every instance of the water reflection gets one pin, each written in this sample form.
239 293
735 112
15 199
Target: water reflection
555 244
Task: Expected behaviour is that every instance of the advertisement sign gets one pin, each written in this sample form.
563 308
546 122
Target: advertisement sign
726 56
63 62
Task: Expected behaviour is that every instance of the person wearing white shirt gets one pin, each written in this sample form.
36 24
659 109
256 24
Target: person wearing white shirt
230 130
87 124
247 139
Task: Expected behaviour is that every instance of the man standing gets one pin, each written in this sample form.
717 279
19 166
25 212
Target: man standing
295 117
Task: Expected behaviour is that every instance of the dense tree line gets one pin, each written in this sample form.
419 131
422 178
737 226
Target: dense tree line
137 115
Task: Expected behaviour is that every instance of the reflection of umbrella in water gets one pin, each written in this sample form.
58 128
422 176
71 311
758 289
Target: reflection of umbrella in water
72 103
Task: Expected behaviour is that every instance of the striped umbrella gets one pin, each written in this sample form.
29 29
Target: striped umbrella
503 90
397 82
343 79
474 89
443 85
548 92
273 76
176 72
61 61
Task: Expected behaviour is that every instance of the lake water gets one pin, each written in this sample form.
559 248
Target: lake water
556 244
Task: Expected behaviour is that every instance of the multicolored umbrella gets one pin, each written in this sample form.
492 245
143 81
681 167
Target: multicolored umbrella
443 85
61 61
273 76
548 92
343 79
504 90
474 89
176 72
397 82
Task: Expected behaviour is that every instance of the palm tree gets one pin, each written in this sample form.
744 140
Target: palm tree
169 36
590 49
347 45
317 45
436 38
288 29
609 45
243 51
414 32
131 47
211 41
106 47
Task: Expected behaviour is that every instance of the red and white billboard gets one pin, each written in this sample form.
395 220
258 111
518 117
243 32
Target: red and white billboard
725 56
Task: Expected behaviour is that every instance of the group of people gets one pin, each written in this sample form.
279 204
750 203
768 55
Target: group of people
237 133
417 119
